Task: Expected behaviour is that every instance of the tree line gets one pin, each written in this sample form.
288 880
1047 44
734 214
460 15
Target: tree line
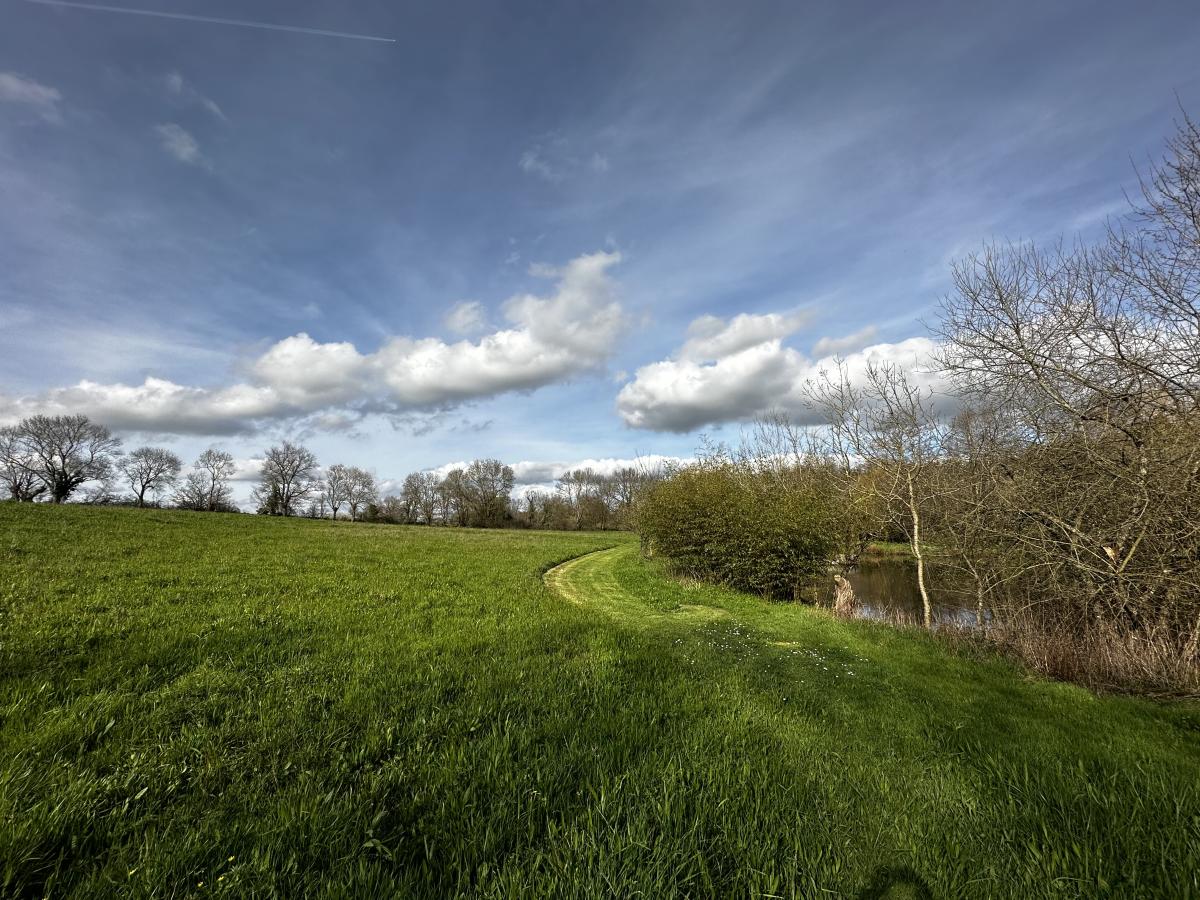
481 495
53 458
1054 477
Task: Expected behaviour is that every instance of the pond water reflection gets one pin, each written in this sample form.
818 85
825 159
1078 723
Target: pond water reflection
886 589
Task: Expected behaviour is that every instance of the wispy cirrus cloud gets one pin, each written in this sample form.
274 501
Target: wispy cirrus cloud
41 98
179 87
555 158
179 143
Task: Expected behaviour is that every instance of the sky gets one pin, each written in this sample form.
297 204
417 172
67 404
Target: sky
414 234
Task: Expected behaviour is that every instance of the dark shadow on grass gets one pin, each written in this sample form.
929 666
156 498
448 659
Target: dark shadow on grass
896 883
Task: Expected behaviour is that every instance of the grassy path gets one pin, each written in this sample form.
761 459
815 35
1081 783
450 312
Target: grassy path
591 580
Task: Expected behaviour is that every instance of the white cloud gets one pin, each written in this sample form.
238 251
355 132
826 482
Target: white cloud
712 338
468 317
155 405
543 270
247 469
828 346
308 374
568 332
572 331
179 143
556 158
180 87
532 163
732 371
42 98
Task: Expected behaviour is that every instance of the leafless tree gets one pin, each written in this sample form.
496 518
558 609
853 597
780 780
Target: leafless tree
453 500
487 485
336 488
149 470
17 471
892 429
289 476
418 495
206 486
1089 358
360 490
63 452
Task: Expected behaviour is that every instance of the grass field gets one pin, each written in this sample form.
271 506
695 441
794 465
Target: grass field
213 704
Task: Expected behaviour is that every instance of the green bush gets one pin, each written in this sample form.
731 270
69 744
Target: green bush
749 532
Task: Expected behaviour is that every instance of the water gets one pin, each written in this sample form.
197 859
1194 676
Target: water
886 589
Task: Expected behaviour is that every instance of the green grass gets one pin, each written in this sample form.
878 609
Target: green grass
195 704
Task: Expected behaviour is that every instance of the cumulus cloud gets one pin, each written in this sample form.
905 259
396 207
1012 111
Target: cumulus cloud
550 338
712 338
468 317
179 143
155 405
247 469
729 371
304 373
44 100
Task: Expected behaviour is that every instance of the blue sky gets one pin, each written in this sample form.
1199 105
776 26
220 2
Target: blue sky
543 232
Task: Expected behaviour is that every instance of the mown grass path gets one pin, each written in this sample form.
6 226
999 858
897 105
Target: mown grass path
591 580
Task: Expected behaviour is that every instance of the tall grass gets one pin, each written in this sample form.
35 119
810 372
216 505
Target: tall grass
201 703
1103 656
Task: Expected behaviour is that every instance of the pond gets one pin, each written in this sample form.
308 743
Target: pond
886 589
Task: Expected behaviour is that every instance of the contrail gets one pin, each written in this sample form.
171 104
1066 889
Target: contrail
214 20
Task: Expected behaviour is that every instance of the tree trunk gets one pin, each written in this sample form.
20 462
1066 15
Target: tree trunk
843 596
915 543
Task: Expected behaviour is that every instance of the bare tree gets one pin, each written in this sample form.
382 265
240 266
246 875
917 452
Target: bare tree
1088 359
289 475
149 470
63 452
360 490
16 468
336 489
487 486
206 487
891 428
453 503
419 496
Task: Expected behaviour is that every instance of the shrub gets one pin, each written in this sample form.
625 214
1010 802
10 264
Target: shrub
718 523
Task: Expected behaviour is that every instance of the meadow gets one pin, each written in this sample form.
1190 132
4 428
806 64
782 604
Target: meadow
196 704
